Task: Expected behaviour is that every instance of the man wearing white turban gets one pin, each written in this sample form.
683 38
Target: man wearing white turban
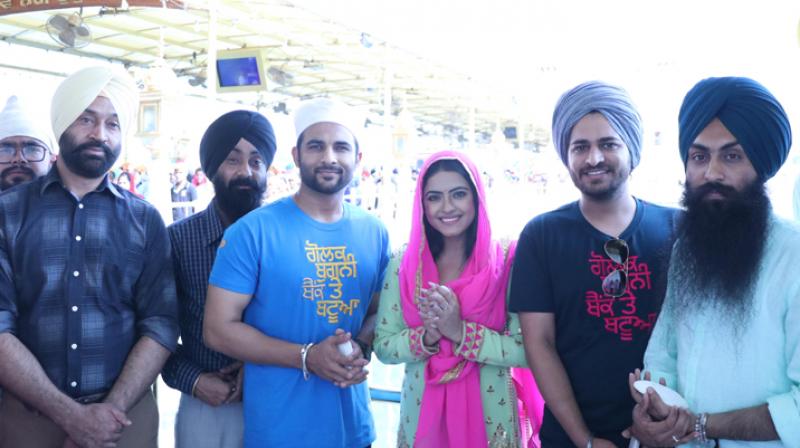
292 281
88 313
26 145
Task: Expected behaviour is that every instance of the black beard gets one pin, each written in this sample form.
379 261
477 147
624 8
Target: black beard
308 176
234 202
90 167
6 183
602 195
721 243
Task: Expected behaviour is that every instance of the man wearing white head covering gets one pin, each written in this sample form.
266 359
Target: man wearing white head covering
88 313
305 272
26 145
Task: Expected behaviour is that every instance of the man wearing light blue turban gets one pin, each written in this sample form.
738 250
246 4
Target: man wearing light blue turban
612 102
574 281
731 317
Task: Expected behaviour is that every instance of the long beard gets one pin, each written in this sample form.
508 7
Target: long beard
720 247
236 202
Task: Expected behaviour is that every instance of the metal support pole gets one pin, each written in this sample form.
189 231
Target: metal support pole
211 60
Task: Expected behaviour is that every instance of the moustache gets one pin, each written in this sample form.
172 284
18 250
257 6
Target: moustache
328 169
601 166
696 193
94 144
243 182
18 169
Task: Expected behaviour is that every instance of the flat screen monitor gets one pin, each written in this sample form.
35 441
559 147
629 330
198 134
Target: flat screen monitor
240 70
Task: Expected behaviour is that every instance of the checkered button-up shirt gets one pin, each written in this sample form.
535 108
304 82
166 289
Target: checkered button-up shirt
82 280
194 247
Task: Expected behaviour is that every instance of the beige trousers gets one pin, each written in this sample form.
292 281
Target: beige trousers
21 426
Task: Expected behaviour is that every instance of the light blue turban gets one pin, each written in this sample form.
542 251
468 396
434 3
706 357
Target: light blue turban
750 113
612 102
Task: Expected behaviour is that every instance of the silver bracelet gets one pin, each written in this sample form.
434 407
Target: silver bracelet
303 354
700 427
194 385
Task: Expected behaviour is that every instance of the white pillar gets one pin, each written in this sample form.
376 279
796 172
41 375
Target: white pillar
211 60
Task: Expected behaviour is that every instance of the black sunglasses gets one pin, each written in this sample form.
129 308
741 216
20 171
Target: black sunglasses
616 282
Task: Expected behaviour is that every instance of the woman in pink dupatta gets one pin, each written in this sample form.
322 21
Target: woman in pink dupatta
443 312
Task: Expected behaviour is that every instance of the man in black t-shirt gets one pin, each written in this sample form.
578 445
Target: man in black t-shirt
588 278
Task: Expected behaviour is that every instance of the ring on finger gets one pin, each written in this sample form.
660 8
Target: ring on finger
675 438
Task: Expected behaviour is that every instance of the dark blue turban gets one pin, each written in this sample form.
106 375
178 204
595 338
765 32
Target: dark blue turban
226 131
748 110
610 101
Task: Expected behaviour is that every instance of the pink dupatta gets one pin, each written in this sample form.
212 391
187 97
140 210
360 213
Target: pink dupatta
451 413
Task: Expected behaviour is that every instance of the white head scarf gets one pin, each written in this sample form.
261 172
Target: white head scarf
78 91
16 120
325 110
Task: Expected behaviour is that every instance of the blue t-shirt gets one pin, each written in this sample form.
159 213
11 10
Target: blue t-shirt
559 267
307 279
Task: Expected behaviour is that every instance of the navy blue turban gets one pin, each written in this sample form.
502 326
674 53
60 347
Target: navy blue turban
612 102
226 131
748 110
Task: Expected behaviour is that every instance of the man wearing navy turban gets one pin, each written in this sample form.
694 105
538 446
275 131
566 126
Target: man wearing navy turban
235 153
572 280
728 338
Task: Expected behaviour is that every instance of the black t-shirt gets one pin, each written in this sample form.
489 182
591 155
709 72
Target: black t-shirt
559 268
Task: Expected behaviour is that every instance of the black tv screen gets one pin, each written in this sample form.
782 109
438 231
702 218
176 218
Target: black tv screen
238 72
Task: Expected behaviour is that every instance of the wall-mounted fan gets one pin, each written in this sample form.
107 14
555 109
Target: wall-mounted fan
69 31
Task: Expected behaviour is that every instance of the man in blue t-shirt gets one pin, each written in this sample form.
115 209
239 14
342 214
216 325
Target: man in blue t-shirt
588 278
294 283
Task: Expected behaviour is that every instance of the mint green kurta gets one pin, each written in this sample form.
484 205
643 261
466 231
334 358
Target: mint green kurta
396 343
722 365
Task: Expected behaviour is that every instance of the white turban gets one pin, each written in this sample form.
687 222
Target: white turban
17 121
325 110
78 91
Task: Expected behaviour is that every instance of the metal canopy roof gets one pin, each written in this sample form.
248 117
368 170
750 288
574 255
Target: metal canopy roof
322 58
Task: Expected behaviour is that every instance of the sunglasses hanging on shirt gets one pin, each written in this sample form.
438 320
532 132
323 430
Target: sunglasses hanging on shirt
616 282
